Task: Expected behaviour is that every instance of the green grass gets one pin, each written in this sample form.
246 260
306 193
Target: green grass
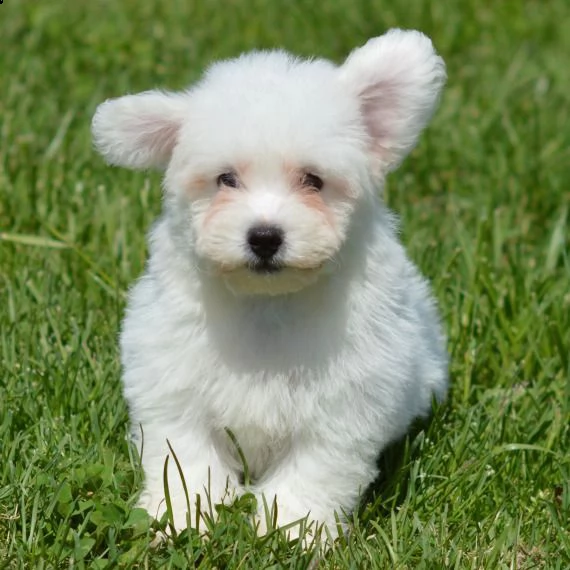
484 203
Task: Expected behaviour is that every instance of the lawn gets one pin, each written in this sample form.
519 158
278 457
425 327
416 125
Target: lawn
484 203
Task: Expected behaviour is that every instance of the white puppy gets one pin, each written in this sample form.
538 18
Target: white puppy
277 301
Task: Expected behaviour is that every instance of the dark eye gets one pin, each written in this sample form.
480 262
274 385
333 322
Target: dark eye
228 179
312 181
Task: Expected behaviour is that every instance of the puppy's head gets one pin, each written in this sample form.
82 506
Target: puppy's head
268 156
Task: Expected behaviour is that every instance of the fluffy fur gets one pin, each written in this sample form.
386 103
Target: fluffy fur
317 356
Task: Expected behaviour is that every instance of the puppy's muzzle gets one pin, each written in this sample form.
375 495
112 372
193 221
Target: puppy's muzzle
264 242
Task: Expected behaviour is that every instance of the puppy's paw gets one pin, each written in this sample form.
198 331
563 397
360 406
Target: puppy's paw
272 517
297 524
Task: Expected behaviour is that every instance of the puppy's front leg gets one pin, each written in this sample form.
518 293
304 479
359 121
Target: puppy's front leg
195 471
315 481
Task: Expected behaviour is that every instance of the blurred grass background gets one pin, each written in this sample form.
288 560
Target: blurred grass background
484 202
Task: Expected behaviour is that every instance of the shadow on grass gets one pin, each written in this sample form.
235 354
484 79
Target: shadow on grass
389 490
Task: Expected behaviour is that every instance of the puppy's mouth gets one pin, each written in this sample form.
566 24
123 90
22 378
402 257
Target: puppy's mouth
264 266
267 267
269 277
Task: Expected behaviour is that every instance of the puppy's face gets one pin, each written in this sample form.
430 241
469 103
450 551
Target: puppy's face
268 156
272 229
268 164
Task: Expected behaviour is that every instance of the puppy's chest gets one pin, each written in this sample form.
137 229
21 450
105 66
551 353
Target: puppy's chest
264 404
271 387
283 340
263 367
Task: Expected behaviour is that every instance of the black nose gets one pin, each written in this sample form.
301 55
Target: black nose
265 241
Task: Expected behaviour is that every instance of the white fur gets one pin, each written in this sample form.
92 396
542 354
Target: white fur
314 368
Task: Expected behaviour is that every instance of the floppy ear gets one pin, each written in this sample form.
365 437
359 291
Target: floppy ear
139 131
398 78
